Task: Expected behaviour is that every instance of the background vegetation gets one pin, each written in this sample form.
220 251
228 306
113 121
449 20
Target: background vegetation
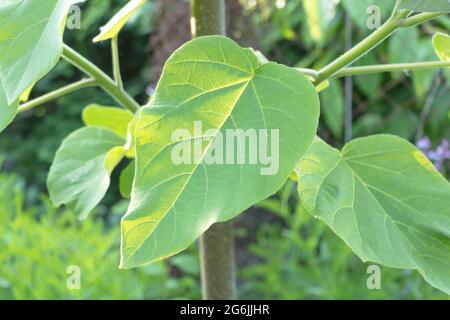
282 252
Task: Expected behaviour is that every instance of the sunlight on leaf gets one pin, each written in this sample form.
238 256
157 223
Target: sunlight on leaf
30 42
30 46
213 81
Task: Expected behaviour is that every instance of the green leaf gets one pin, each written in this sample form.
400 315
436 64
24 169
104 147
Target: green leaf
30 42
322 86
259 55
423 79
403 48
384 198
401 123
426 5
126 180
369 84
332 106
113 118
214 82
367 124
441 44
7 111
25 96
113 27
79 175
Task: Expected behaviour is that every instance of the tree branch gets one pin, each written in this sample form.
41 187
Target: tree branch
85 83
104 81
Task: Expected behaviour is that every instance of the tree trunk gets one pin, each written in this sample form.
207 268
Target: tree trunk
217 261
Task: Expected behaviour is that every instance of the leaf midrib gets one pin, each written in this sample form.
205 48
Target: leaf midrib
194 169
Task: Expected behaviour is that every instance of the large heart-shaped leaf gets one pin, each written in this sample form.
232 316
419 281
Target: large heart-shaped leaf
426 5
385 200
79 175
30 41
212 82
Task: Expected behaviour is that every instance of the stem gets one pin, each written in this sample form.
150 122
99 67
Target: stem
396 7
116 61
420 18
309 72
414 66
348 117
217 262
85 83
105 82
217 258
363 47
208 17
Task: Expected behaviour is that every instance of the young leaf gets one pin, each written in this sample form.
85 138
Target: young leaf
79 175
441 44
113 118
25 96
214 82
322 86
426 5
30 42
384 198
113 27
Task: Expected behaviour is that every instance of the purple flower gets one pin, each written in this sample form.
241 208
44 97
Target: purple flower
439 155
445 144
424 144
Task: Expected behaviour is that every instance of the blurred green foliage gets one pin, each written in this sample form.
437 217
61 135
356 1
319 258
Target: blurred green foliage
294 258
39 244
299 257
311 33
289 254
